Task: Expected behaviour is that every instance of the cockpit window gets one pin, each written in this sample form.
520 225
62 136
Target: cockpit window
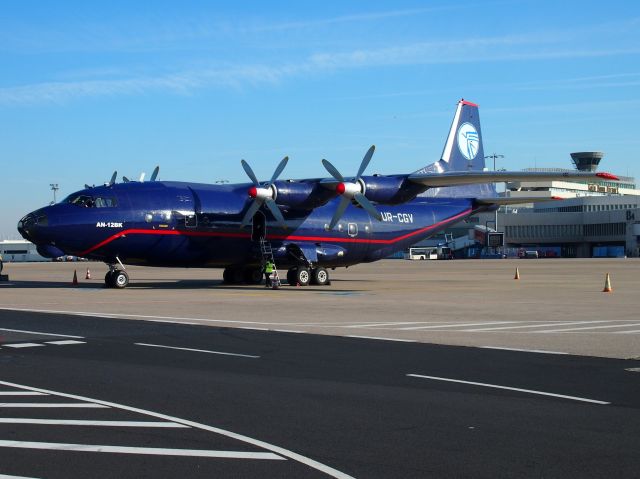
87 201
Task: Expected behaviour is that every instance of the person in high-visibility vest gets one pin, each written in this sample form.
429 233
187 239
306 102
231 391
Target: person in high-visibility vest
268 269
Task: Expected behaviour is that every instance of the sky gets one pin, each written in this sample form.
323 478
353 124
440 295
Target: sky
92 87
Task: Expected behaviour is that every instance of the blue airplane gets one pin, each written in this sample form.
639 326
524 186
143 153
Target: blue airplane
306 226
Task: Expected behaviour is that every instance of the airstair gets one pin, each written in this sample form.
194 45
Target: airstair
267 255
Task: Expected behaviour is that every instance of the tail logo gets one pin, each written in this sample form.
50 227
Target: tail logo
468 141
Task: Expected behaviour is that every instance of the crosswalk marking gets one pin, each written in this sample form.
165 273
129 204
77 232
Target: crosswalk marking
22 345
141 450
21 393
52 405
81 422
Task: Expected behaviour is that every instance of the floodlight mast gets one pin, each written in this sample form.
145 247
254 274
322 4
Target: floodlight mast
54 188
494 157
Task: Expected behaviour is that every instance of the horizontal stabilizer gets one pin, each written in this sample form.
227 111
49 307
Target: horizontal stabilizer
458 178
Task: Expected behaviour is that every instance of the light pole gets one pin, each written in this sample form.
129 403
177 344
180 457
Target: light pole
495 157
54 188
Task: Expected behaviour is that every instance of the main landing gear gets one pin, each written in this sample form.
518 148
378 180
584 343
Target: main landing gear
242 275
116 278
304 276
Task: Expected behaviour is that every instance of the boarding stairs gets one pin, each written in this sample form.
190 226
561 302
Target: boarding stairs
267 255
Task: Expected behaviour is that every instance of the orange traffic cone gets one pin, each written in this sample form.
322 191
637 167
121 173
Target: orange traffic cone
517 276
607 285
75 278
88 275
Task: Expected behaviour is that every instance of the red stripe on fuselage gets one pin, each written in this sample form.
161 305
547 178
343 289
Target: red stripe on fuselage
270 237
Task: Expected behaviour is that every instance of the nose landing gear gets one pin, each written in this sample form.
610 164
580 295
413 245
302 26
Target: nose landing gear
116 278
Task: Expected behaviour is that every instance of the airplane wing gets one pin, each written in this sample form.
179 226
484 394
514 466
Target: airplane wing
458 178
508 200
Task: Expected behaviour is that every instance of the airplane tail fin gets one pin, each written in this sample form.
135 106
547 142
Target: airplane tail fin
462 151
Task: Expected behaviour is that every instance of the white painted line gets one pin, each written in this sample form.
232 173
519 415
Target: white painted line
524 350
627 332
455 325
4 476
172 322
373 325
608 326
288 331
198 350
79 422
496 386
255 442
22 345
39 332
383 339
531 326
141 450
254 329
51 405
21 393
65 342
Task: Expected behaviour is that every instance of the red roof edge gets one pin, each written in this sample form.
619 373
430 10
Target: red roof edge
465 102
607 176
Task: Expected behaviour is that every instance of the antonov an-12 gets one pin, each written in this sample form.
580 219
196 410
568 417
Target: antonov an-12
305 225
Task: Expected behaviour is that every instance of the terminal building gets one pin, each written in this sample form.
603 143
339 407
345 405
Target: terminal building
594 219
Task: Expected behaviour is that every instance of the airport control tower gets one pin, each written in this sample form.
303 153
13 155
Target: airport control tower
587 160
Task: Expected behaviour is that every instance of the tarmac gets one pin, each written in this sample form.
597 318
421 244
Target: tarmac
557 305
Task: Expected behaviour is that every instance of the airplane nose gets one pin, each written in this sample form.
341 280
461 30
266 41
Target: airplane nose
29 225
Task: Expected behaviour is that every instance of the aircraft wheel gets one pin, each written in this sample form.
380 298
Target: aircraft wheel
291 276
303 276
320 276
253 275
120 279
233 275
108 282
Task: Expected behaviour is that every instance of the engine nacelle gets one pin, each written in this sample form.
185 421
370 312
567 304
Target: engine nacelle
302 194
390 190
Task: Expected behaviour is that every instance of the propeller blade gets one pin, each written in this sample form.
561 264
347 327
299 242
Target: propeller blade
250 173
125 179
113 178
344 202
279 169
332 170
250 212
365 161
154 175
366 204
276 212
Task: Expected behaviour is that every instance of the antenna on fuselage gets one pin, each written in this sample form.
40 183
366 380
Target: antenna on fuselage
112 181
154 175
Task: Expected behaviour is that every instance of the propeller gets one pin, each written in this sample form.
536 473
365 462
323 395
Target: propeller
352 190
263 194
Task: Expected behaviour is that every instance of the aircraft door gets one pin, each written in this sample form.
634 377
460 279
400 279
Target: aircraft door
259 226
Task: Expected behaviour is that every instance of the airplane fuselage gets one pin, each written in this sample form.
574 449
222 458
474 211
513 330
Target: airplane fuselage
198 225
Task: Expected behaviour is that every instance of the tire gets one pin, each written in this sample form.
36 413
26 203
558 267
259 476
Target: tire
233 275
320 276
108 280
253 276
291 277
303 276
120 279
